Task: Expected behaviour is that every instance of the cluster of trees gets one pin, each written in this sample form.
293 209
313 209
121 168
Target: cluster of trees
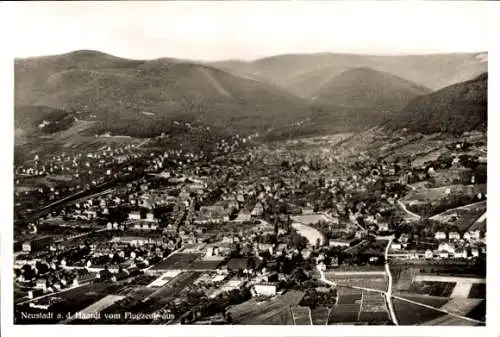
451 201
312 298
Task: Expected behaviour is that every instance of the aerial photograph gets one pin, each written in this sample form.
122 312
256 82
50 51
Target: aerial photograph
250 163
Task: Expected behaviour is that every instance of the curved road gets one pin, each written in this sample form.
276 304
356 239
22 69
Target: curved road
388 293
410 213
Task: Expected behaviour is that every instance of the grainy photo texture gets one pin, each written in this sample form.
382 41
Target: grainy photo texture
237 163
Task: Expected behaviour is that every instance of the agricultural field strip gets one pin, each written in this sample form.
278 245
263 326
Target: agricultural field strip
448 320
461 306
53 294
438 309
437 278
469 207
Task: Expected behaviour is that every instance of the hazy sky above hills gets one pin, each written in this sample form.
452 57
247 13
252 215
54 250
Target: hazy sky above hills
245 30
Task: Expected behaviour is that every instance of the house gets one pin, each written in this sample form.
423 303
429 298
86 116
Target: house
243 217
446 247
396 246
134 216
460 253
339 243
213 211
306 253
404 238
440 236
27 247
145 226
41 284
383 226
263 247
257 210
236 264
474 251
360 234
454 236
265 289
443 255
472 235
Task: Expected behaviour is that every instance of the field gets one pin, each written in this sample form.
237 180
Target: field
301 315
348 296
375 281
437 285
478 290
433 301
311 234
448 320
174 287
283 317
412 314
74 300
344 313
102 304
440 289
437 193
176 261
479 312
479 223
462 217
266 312
373 308
353 307
204 264
320 315
461 306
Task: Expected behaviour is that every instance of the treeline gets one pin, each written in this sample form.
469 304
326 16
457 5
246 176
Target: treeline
455 109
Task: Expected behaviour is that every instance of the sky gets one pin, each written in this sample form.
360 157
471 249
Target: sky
245 30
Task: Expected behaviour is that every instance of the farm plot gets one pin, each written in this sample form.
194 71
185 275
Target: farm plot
344 313
413 314
373 302
370 281
320 316
437 193
174 286
283 317
301 315
373 308
462 217
348 296
448 320
176 261
74 300
374 317
479 312
433 301
266 312
461 306
477 290
204 264
479 223
101 304
441 289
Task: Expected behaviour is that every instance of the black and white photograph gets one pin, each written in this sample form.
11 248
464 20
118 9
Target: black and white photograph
290 163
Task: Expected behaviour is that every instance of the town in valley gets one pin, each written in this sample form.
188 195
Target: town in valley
346 187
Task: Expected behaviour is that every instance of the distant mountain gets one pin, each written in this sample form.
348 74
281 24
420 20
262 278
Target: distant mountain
147 97
304 74
367 88
455 109
144 97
